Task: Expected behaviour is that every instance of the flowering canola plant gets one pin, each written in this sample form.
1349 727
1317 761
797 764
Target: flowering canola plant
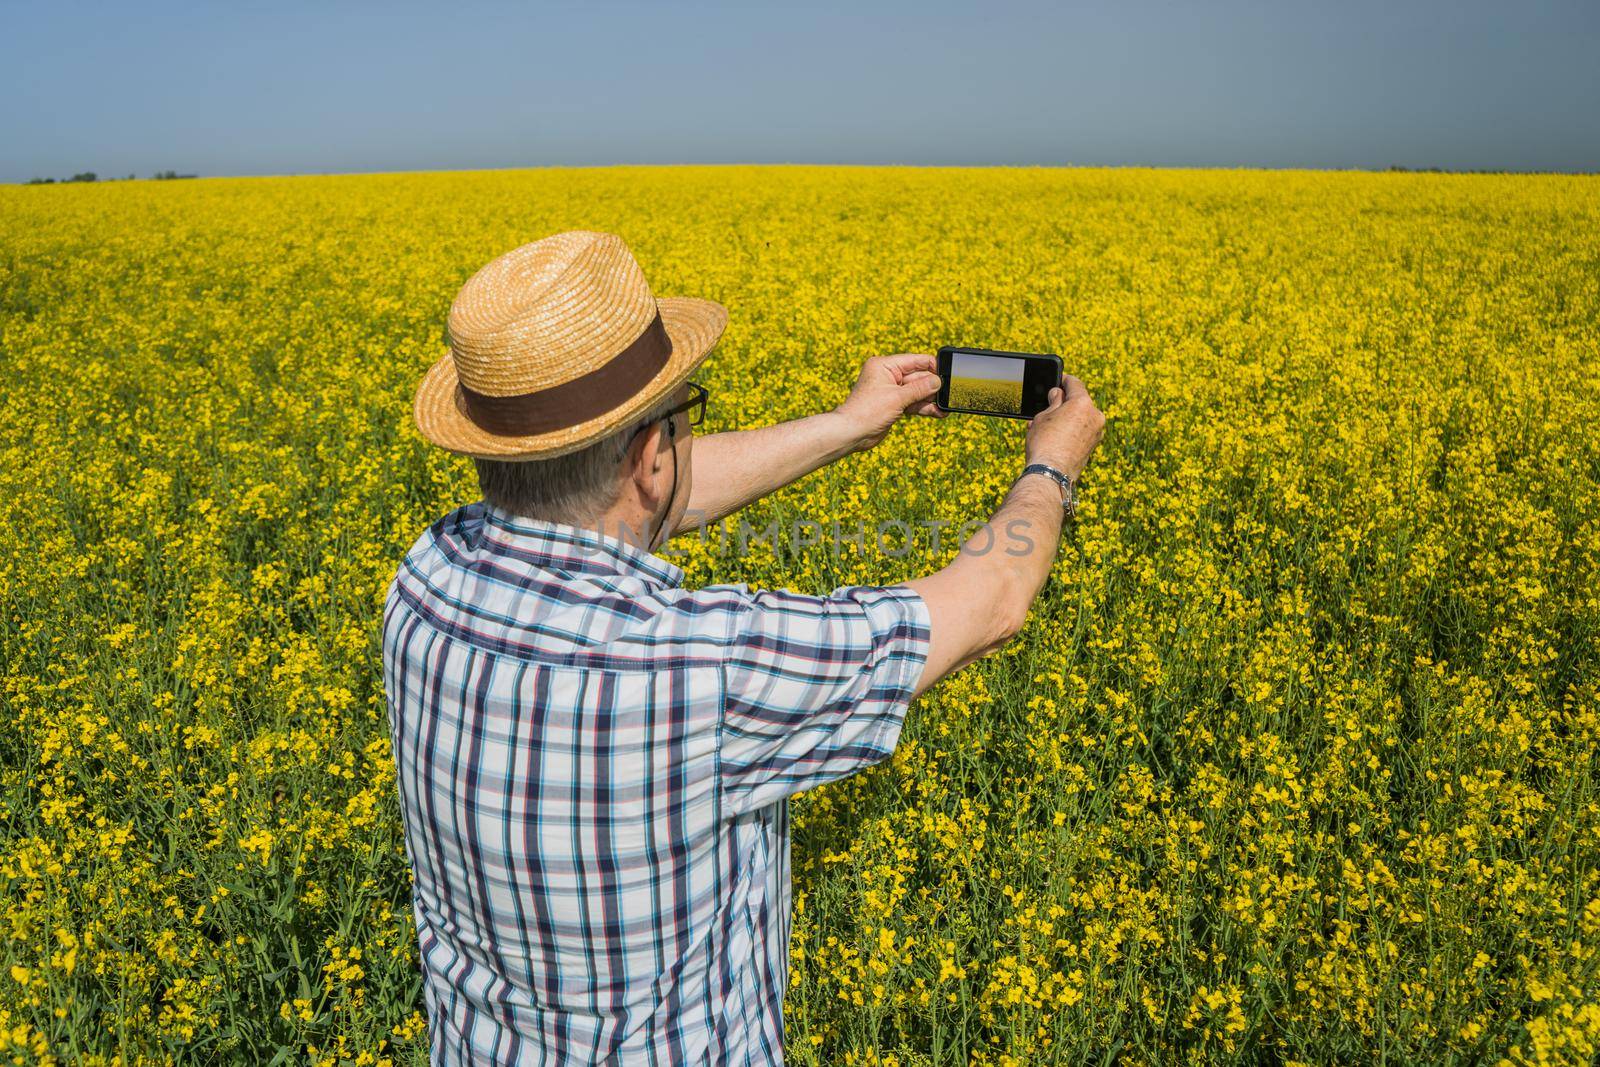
1294 762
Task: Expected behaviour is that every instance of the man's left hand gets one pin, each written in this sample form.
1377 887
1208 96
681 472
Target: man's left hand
889 387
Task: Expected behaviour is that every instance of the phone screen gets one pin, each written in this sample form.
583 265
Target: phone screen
981 381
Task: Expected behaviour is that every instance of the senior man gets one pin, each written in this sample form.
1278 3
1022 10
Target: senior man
593 760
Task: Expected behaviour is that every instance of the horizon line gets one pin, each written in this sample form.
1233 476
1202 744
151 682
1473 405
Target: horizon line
1390 169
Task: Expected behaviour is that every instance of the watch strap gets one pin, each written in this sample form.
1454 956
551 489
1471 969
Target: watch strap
1069 491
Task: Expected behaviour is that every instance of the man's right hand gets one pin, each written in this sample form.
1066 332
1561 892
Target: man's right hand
1066 432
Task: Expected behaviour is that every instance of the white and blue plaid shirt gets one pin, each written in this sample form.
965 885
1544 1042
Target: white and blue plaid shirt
593 768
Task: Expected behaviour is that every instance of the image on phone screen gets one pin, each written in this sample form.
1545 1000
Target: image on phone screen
986 383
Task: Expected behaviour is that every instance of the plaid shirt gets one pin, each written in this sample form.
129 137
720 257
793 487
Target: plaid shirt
593 768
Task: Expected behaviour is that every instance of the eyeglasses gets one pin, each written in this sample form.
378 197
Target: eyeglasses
695 406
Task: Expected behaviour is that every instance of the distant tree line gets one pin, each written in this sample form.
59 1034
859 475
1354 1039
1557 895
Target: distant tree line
91 176
170 175
1477 170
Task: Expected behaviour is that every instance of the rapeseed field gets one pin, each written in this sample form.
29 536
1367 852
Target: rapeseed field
985 394
1294 763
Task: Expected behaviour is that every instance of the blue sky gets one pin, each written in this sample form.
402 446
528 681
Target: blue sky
244 88
997 368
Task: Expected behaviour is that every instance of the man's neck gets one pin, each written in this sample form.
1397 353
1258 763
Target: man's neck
631 525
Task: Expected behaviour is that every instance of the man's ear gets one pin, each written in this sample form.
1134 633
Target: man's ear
644 461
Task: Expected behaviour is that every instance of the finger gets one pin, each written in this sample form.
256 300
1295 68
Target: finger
1056 398
1071 386
928 409
907 363
920 386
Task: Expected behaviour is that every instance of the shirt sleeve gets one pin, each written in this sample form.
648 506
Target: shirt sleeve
816 688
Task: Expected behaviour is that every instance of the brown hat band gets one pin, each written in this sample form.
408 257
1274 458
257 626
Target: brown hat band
579 400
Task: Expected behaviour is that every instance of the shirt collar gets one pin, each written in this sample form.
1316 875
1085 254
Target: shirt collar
574 549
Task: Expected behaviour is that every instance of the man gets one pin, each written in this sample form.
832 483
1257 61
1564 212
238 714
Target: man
594 761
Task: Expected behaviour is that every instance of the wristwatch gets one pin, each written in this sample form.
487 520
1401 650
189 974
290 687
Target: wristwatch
1069 488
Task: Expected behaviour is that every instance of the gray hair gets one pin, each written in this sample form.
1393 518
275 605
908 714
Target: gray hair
573 488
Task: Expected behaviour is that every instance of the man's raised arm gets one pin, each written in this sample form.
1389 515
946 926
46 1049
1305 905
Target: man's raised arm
981 599
733 469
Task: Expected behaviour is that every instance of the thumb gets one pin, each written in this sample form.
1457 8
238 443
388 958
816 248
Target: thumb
919 387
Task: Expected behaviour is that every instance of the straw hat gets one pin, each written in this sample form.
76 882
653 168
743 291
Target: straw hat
555 345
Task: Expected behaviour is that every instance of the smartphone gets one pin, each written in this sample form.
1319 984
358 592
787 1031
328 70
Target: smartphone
980 381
